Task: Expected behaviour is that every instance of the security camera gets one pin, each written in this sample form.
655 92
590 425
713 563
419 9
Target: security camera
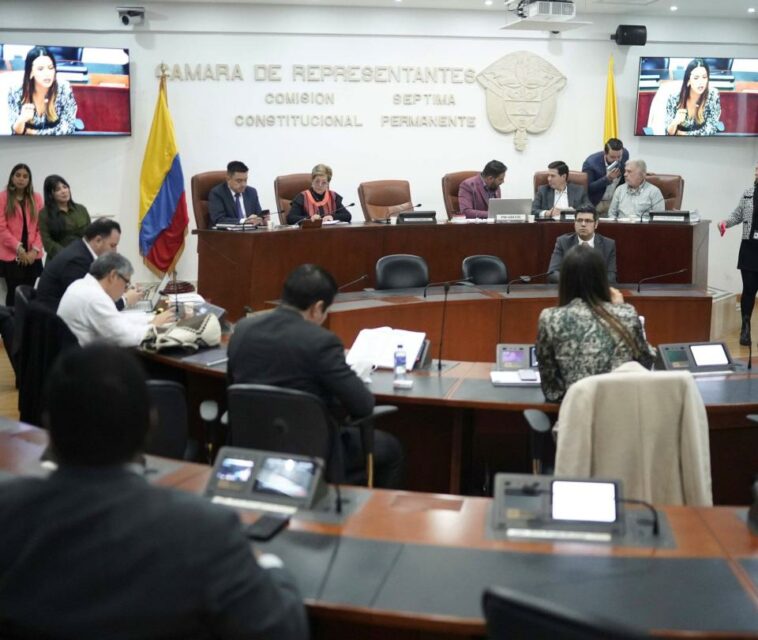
131 16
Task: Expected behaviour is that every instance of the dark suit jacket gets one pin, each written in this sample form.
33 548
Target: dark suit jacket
543 201
594 167
605 246
100 553
283 349
221 207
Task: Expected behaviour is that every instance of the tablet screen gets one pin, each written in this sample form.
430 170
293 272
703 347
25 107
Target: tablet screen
709 355
234 473
286 477
583 501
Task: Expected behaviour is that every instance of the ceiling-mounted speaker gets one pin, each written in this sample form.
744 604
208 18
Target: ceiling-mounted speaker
632 34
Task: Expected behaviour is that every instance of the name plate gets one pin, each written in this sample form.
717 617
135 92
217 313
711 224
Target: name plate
670 216
569 216
511 217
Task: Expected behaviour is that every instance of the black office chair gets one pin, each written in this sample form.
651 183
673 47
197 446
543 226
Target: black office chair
169 437
25 293
401 271
483 269
511 615
292 421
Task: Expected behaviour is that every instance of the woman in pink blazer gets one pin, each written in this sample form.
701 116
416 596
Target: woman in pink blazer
20 242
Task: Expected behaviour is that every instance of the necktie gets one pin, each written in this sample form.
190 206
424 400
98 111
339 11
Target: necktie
238 204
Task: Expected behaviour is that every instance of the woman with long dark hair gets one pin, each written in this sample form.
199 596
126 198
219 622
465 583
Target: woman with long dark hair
61 221
747 262
696 109
20 243
592 330
43 105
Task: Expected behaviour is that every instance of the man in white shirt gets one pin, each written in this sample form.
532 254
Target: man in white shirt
88 310
636 197
558 195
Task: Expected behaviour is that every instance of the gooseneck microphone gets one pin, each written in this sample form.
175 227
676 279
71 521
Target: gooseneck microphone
342 287
527 279
660 275
447 283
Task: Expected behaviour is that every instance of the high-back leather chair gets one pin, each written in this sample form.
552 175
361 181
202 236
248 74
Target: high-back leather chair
575 177
401 271
483 269
201 184
168 438
514 614
381 199
671 186
450 184
285 190
25 293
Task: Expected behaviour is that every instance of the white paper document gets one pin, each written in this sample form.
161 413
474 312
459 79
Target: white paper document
378 346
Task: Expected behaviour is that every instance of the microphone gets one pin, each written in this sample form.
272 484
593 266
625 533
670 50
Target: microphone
448 283
343 207
660 275
176 297
352 282
527 279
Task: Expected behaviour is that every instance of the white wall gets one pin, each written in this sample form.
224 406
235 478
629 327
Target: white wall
104 173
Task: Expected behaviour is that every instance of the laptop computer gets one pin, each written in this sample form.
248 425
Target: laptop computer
152 296
509 206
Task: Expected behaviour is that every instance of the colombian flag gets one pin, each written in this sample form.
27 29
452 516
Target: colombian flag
610 129
163 206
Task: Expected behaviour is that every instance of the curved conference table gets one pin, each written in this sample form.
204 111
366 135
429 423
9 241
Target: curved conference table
238 269
414 565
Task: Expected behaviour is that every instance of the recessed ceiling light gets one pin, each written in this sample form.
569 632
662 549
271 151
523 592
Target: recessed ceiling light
488 2
751 10
673 7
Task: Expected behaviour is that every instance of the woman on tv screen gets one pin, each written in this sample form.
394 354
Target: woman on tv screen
696 110
62 220
42 105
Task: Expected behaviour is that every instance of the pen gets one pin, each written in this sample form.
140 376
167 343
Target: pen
213 363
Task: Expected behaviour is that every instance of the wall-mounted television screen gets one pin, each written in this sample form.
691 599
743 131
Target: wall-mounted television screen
697 97
64 91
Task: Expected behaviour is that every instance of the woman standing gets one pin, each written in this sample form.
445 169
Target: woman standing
696 110
747 262
42 105
592 331
62 220
20 242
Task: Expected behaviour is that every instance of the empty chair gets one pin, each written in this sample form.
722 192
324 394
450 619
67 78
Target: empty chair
575 177
401 271
201 184
484 269
671 186
511 615
384 198
285 190
168 437
450 184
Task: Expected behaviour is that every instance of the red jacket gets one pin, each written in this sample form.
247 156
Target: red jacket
11 228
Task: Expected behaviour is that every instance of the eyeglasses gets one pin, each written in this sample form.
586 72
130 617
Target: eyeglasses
127 281
584 220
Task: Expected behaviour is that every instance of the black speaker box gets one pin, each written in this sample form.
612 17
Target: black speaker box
633 34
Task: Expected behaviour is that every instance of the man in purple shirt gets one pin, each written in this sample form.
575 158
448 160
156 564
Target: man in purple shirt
475 192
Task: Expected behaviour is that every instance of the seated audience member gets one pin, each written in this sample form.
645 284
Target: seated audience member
558 194
96 551
73 262
585 225
636 197
318 202
289 348
233 202
605 172
592 331
88 310
475 192
61 220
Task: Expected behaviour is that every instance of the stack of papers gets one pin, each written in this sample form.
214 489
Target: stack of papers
378 346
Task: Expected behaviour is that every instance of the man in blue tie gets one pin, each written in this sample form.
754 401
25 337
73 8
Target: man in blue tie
233 202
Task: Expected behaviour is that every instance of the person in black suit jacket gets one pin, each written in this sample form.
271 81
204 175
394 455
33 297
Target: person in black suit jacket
585 225
558 194
605 172
288 347
73 262
95 551
233 202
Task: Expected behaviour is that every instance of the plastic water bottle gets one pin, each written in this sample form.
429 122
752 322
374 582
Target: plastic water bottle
400 363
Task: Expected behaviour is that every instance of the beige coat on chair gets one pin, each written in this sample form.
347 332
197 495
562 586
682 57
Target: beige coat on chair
648 429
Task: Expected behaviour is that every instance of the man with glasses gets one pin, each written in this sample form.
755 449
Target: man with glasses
635 198
585 225
88 310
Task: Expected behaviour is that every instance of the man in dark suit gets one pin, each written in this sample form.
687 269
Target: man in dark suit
95 551
289 348
233 202
73 262
558 195
585 224
605 172
475 192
